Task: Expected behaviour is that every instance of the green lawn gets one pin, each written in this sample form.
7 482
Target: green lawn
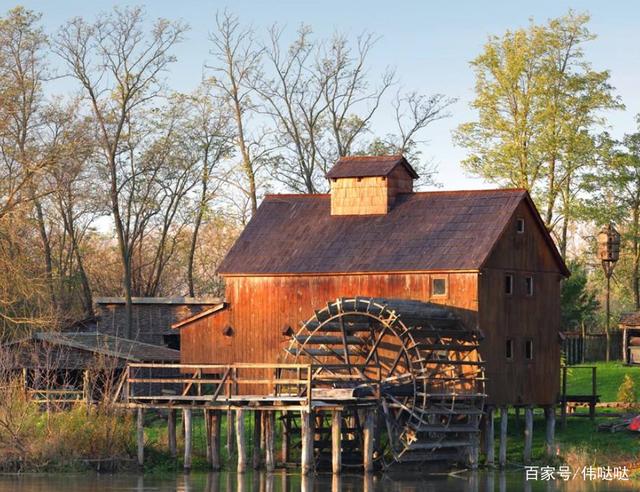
609 376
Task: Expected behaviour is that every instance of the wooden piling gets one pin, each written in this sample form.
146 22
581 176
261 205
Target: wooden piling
489 437
269 440
367 448
171 431
257 435
188 438
240 441
550 419
214 426
504 421
306 429
140 436
286 437
207 434
231 442
528 434
336 441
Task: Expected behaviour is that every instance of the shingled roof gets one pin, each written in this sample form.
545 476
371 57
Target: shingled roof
295 234
365 165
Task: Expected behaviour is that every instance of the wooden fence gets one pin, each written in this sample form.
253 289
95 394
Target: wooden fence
578 348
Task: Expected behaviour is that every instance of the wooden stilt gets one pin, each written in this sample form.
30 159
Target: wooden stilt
240 441
207 433
517 420
214 425
473 452
489 437
336 441
306 428
550 419
257 435
504 421
188 441
231 442
171 431
269 441
140 436
286 437
367 448
528 434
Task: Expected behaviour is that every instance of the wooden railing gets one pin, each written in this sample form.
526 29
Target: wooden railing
56 396
215 383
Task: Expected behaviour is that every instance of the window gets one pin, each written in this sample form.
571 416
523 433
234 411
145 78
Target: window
528 349
520 226
439 287
528 282
509 349
508 284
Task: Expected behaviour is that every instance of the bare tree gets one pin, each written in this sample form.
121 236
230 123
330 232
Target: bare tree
237 62
120 69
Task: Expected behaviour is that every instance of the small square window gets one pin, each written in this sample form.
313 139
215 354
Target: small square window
528 281
439 287
509 349
508 284
520 226
528 349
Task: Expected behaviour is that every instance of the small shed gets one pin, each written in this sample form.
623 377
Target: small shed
74 366
630 326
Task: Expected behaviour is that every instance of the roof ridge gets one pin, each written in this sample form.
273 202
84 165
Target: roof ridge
430 192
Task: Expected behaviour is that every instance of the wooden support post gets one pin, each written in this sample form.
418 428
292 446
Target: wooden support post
594 395
550 419
528 434
489 437
207 433
171 431
231 442
214 426
286 437
257 432
336 441
269 441
563 397
367 448
625 350
504 421
306 429
140 436
188 441
241 445
517 420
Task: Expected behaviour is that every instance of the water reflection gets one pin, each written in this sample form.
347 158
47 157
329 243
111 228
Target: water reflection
283 481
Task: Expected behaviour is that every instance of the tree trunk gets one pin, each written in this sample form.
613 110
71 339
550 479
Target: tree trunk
196 229
636 256
46 248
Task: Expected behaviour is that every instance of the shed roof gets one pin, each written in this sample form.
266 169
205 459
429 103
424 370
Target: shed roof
630 319
431 231
99 343
361 166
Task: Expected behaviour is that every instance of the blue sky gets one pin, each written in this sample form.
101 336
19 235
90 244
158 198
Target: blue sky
429 43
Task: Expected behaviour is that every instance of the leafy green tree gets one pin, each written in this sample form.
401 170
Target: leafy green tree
539 104
578 303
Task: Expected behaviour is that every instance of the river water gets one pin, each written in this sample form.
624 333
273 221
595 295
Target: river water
282 481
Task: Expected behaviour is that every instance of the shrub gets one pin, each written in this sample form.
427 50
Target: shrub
627 392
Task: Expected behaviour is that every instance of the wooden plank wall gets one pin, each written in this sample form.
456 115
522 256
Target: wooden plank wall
520 317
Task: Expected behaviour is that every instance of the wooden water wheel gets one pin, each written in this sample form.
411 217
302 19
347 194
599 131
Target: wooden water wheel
415 361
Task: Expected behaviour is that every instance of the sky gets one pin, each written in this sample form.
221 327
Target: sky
429 44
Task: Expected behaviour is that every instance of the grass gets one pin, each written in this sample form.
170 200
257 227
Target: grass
609 377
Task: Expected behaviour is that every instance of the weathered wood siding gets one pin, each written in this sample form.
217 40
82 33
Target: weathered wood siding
261 307
520 317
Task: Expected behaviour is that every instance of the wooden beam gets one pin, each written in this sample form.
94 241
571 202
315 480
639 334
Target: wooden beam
171 431
188 438
269 440
528 434
625 358
231 442
489 437
214 425
306 428
504 421
140 436
550 419
367 448
240 441
336 441
257 432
